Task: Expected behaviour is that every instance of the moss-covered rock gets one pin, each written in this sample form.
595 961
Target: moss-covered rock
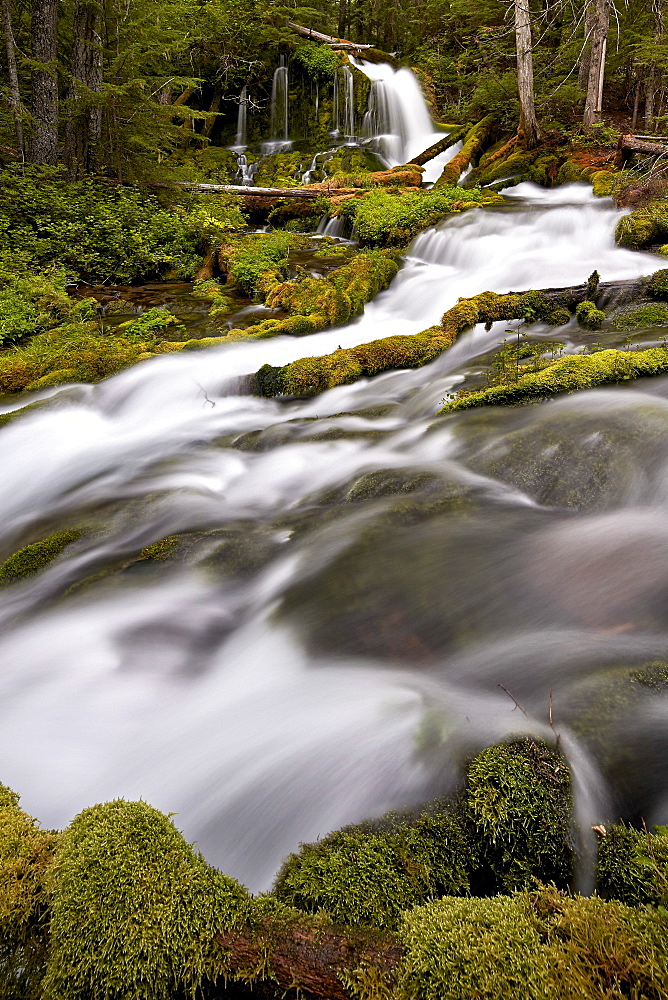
134 909
657 286
633 866
34 557
588 315
25 855
518 800
641 317
643 228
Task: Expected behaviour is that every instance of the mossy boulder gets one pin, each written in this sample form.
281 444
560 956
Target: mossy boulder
657 287
633 866
643 228
134 909
641 317
26 852
588 315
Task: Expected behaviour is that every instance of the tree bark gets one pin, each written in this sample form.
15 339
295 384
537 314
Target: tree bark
84 124
585 59
13 74
311 960
653 77
599 41
528 127
44 101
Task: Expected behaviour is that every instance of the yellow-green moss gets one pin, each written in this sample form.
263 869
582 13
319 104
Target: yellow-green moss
134 909
34 557
633 866
588 315
643 228
569 374
25 854
475 139
642 317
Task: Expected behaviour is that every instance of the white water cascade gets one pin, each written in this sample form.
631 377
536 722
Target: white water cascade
398 119
348 103
280 92
277 679
240 137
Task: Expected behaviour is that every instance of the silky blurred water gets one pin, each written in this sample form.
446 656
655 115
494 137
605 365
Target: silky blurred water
355 577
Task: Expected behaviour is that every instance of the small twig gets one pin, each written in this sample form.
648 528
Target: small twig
204 393
512 698
557 736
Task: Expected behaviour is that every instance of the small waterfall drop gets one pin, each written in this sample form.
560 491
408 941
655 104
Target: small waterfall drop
280 93
335 105
349 103
240 137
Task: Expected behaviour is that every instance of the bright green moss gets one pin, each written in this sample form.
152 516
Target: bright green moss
643 228
34 557
134 909
385 219
519 804
458 949
642 317
588 315
569 374
474 141
25 854
256 254
360 876
658 285
633 866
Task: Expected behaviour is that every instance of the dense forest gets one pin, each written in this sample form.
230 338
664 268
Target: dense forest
333 421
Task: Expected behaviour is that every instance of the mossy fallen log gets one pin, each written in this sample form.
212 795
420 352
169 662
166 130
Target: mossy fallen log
441 145
254 192
475 140
569 374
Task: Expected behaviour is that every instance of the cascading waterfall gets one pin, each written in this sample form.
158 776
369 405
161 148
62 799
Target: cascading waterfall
349 103
279 122
335 105
397 119
240 137
309 658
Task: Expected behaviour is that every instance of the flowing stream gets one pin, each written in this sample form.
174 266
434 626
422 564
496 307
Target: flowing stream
356 577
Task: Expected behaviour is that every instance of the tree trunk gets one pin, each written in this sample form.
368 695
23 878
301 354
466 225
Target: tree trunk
585 59
84 123
44 102
653 77
636 102
528 128
597 63
13 74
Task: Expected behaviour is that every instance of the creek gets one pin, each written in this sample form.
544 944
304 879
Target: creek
354 579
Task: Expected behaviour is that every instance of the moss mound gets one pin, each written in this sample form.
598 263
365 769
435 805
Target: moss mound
538 946
588 315
633 866
134 908
642 317
643 228
25 854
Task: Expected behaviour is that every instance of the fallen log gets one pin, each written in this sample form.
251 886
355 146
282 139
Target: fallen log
318 36
312 960
638 144
440 146
252 192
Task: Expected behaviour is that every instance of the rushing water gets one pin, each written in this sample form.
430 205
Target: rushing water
326 645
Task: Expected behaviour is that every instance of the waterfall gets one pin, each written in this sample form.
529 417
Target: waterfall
397 119
349 103
279 102
310 658
240 137
335 110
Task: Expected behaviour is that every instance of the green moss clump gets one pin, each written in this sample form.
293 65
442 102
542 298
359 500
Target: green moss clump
641 317
588 315
657 287
539 946
605 183
569 374
252 257
134 909
643 228
633 866
457 949
519 804
25 855
34 557
360 876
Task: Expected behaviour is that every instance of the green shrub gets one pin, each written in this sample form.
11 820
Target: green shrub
150 324
32 304
134 909
25 854
257 255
